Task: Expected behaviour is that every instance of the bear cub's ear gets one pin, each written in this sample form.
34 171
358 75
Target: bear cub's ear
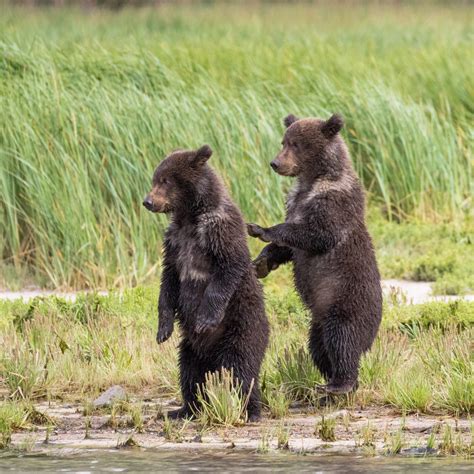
290 119
332 126
202 155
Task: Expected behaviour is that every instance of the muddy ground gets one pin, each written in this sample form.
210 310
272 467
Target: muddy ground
369 430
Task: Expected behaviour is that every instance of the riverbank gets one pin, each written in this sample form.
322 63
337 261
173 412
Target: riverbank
57 356
365 431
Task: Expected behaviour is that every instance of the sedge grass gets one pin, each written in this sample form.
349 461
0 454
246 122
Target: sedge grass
221 401
92 102
325 429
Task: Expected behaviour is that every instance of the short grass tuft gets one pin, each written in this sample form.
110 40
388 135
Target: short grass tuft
221 401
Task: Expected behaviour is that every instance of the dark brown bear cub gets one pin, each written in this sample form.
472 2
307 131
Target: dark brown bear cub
325 237
208 283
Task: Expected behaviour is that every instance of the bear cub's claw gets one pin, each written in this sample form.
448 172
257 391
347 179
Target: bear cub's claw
339 389
204 325
254 230
164 333
261 266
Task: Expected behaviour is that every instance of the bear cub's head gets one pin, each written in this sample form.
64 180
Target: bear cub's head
310 147
178 172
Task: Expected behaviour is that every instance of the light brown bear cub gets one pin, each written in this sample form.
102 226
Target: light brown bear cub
325 237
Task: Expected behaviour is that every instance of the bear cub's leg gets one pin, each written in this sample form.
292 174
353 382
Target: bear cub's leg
245 375
318 351
192 374
343 351
254 405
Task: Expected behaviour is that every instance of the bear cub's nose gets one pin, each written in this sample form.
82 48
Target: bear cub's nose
274 165
147 203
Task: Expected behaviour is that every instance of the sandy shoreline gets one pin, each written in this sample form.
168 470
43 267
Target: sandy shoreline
368 431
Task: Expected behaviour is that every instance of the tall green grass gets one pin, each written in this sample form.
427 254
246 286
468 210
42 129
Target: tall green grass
90 103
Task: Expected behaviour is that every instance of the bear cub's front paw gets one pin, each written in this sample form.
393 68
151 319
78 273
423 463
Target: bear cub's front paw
262 267
205 323
164 332
254 230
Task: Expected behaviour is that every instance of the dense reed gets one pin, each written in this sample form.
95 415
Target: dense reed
91 101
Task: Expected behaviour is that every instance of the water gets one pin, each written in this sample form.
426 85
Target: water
136 460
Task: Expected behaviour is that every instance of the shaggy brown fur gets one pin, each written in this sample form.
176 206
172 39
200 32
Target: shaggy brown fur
208 282
325 237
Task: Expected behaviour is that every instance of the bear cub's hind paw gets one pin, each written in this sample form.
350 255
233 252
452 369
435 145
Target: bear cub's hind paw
253 417
337 389
183 412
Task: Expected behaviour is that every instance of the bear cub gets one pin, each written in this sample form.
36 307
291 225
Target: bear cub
208 282
325 236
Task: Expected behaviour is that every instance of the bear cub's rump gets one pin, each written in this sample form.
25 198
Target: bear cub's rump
325 237
207 283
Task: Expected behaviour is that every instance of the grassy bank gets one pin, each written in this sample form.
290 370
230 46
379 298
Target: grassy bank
91 102
413 250
442 253
50 349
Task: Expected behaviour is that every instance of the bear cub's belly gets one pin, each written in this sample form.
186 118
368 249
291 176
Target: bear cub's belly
316 278
194 270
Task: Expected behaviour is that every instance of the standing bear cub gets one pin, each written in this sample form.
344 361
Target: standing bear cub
325 237
208 282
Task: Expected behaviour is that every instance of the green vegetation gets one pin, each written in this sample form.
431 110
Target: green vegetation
283 436
277 402
325 429
367 436
19 415
420 362
173 430
221 399
452 443
92 101
394 443
423 251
